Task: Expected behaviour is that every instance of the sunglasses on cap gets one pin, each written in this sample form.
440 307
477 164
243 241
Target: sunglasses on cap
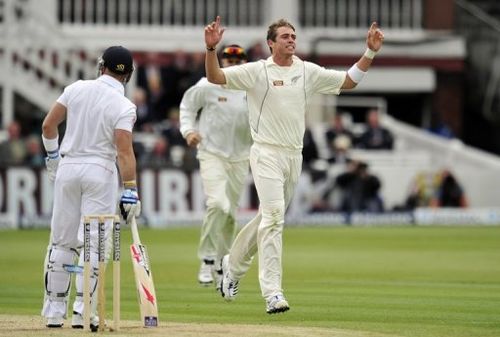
233 51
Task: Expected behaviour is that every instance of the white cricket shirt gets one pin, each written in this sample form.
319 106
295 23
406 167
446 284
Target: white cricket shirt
95 108
278 96
223 123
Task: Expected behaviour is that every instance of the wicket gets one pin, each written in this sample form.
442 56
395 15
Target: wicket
101 296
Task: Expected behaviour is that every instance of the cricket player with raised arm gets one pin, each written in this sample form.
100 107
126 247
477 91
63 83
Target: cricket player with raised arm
222 136
99 121
278 90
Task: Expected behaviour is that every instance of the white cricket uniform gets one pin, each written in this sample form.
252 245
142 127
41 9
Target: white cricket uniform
277 100
223 154
87 180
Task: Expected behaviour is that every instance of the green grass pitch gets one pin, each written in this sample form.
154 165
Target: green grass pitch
405 281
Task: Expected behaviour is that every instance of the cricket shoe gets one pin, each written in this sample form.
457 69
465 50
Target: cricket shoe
55 322
77 321
229 287
276 304
205 274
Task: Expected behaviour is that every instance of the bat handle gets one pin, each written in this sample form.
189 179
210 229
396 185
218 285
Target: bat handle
135 232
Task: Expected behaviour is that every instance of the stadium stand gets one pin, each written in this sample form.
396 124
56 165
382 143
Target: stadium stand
420 75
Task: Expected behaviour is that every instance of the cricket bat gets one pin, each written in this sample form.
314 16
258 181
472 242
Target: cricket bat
143 279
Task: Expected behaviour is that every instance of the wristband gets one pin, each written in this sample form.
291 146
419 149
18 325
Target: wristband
369 54
356 74
210 48
50 145
130 184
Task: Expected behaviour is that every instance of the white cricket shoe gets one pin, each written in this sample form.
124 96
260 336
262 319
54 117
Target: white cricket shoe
229 287
205 274
55 322
77 321
277 303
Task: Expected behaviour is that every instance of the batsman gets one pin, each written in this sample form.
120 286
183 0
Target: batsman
99 122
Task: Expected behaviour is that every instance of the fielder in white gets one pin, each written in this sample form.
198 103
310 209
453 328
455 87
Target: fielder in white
278 90
99 122
222 136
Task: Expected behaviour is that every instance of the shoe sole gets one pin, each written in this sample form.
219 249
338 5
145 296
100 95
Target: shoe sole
205 284
54 326
93 328
278 310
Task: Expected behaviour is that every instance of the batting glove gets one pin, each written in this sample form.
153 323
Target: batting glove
52 163
130 205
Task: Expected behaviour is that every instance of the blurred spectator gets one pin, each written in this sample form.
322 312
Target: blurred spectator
13 149
171 129
151 77
355 190
341 146
179 153
448 193
35 156
257 52
439 127
139 152
140 99
338 138
422 189
310 150
197 68
375 136
430 189
176 79
158 157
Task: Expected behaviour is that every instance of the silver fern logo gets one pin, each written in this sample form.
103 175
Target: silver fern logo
295 79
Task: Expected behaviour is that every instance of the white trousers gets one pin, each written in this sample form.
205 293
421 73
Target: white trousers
79 189
276 172
223 182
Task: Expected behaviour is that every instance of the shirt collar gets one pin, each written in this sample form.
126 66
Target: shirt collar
270 62
112 82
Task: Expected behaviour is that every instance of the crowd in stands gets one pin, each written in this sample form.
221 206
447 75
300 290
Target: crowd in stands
160 85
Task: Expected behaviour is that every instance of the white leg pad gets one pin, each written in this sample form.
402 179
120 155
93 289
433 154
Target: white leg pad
78 304
57 281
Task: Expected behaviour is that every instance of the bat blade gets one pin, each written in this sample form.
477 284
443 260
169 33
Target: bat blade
144 283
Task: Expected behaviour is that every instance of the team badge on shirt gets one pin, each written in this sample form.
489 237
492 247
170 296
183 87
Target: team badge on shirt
278 83
222 99
295 79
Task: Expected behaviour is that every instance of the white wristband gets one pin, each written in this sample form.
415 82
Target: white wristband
50 145
369 54
356 74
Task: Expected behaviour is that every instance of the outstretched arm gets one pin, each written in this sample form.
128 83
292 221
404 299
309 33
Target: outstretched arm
374 41
213 35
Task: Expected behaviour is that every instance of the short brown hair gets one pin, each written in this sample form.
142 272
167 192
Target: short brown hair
273 29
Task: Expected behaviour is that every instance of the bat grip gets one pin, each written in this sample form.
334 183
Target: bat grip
135 232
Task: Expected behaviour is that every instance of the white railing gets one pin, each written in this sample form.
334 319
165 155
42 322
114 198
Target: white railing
160 12
37 61
403 14
398 14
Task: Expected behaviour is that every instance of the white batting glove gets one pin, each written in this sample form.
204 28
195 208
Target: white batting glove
130 205
52 163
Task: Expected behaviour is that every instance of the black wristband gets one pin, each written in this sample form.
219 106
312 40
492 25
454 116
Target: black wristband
210 48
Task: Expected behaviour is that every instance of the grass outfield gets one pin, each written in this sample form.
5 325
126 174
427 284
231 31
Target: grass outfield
400 281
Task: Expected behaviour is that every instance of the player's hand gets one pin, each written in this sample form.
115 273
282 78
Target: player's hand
193 139
374 37
130 205
213 33
52 163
